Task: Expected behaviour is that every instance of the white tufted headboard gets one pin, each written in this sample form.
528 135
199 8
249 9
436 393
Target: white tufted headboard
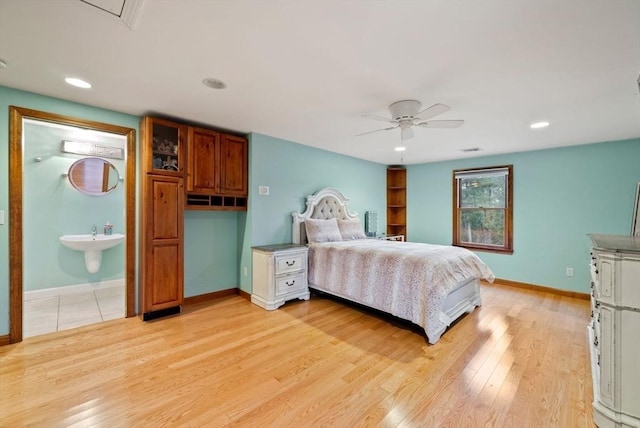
325 204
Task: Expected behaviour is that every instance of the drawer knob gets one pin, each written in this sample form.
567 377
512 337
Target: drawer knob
595 342
292 282
293 262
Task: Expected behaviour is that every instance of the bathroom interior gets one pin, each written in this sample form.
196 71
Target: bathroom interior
66 283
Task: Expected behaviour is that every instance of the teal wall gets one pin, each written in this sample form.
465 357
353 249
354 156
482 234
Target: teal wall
210 251
292 172
560 195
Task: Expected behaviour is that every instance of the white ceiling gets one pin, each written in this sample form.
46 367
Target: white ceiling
306 71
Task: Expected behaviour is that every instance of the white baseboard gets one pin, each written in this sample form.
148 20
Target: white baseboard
71 289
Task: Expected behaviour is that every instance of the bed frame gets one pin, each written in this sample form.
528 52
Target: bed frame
330 203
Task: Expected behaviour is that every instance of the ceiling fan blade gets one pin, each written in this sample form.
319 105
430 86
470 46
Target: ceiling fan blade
406 134
377 130
432 111
441 124
383 119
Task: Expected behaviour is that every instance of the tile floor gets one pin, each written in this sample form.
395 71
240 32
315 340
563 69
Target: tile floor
49 314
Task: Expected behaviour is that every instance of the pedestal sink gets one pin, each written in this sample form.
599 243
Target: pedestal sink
92 246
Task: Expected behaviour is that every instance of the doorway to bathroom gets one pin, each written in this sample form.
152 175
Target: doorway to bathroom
66 193
55 285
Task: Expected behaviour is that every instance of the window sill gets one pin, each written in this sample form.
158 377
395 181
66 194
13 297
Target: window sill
485 249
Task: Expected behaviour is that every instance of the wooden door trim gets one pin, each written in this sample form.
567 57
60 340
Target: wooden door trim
16 115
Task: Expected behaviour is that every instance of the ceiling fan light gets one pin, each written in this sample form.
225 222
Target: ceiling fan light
406 133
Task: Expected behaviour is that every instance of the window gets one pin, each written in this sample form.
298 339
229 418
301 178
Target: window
483 208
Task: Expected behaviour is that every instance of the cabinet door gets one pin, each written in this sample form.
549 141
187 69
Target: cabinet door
234 171
162 282
203 166
607 350
163 146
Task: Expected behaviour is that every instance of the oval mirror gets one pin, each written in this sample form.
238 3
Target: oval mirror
93 176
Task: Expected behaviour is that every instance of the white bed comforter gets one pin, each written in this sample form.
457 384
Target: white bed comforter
406 279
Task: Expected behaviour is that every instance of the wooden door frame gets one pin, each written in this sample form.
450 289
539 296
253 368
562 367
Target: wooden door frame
16 116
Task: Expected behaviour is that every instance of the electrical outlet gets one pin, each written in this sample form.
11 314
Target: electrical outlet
245 271
569 271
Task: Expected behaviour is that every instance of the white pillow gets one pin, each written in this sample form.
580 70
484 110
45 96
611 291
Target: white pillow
351 229
322 230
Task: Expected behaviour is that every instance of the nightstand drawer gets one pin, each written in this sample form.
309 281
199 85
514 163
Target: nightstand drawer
290 283
290 263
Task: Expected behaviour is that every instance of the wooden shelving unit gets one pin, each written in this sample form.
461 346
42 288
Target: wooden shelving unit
397 201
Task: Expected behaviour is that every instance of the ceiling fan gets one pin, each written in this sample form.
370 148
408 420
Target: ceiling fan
406 114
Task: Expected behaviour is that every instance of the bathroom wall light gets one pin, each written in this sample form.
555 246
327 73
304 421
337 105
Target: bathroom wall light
92 149
400 149
77 82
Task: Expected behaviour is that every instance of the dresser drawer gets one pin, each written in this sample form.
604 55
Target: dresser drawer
287 263
290 283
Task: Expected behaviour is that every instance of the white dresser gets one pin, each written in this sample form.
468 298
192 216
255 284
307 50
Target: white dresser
279 274
614 330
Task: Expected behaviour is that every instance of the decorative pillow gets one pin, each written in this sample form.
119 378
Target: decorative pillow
322 230
351 229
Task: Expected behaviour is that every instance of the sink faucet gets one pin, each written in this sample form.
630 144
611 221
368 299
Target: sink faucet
94 230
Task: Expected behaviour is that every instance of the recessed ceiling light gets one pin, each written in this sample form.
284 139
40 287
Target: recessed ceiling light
400 149
539 125
214 83
78 82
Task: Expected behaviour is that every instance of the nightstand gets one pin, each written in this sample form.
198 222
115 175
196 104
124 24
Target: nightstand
279 275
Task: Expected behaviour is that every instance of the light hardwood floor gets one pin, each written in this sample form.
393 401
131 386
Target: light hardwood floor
520 360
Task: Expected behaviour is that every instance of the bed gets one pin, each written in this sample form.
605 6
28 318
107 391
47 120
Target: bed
429 285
